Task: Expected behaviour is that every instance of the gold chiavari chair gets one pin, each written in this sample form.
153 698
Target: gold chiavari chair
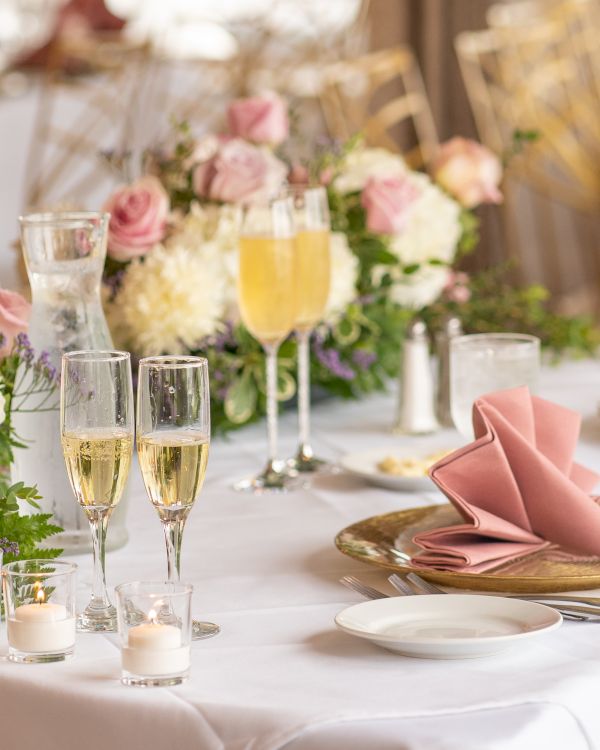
379 94
536 68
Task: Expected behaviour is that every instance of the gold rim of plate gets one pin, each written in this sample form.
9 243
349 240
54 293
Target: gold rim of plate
375 541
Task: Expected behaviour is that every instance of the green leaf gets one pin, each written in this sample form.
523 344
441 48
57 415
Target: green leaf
240 401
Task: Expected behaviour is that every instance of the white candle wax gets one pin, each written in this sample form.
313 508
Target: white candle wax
41 628
155 650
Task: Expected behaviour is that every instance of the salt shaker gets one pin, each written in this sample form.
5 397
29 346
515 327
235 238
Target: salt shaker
416 409
451 327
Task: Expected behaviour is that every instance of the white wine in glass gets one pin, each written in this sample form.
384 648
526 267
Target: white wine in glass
267 299
173 439
96 418
173 465
313 272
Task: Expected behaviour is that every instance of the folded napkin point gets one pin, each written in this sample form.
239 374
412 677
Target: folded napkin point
516 487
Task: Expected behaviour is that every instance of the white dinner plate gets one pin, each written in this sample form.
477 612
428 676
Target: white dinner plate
447 626
364 464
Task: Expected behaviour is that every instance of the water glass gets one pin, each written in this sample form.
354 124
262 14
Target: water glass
485 362
39 601
155 627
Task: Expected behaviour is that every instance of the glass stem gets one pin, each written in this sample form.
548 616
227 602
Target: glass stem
303 338
98 526
271 352
173 535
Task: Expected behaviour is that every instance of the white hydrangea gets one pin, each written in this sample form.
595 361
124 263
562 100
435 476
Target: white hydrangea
171 299
432 228
420 288
344 272
431 232
363 163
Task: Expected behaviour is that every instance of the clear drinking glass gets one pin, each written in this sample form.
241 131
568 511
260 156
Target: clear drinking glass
313 271
485 362
155 628
173 439
267 299
96 422
39 601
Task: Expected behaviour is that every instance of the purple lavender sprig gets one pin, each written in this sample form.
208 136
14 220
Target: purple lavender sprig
8 547
331 360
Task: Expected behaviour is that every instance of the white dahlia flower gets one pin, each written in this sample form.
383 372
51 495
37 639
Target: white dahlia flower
171 299
344 272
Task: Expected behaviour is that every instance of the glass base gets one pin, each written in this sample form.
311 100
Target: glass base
140 681
202 630
23 657
305 462
274 478
93 620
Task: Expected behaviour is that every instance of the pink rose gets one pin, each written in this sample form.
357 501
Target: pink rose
456 288
239 173
387 201
138 218
298 175
468 171
14 318
261 119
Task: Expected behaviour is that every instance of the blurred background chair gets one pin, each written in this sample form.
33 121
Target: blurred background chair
382 96
536 68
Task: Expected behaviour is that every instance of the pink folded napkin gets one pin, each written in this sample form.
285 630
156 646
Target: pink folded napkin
516 487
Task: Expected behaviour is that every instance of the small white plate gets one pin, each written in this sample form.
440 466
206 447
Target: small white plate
447 626
364 464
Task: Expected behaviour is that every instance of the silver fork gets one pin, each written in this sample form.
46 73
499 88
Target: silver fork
369 592
567 610
361 588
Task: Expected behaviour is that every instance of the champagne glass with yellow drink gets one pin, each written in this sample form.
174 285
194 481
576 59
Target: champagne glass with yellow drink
173 438
96 421
311 216
267 300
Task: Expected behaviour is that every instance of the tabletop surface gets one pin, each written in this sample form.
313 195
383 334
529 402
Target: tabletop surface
279 674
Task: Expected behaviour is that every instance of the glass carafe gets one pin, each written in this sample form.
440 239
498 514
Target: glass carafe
64 254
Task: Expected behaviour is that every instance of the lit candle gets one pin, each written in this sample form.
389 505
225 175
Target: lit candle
154 649
42 627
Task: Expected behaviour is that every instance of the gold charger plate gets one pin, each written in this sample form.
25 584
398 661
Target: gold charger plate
381 541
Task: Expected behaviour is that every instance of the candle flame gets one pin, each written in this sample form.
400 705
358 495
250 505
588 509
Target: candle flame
40 596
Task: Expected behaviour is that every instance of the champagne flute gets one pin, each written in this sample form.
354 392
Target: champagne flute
267 299
96 422
313 271
173 438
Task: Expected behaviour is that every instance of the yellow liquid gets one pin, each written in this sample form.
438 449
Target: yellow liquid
98 464
313 267
173 464
266 285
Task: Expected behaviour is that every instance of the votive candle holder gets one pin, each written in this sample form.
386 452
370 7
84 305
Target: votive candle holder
39 606
155 628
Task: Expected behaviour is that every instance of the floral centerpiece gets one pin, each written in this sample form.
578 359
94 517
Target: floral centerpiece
172 265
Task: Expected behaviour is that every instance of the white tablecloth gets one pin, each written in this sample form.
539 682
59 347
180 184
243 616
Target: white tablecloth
280 674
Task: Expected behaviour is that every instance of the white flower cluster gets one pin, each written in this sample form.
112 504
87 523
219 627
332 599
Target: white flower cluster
185 289
170 300
431 232
344 270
